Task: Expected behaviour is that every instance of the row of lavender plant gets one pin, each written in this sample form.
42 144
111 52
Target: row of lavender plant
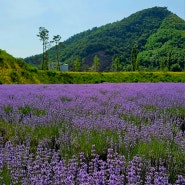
41 104
46 167
133 119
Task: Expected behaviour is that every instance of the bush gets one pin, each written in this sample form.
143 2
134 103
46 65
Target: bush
51 74
32 69
176 68
14 76
21 63
26 75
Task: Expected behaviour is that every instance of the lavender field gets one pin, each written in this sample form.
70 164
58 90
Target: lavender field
98 134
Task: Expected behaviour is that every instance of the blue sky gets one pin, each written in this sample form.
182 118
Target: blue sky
20 19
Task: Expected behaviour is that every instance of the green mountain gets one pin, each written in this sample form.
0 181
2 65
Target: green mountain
156 33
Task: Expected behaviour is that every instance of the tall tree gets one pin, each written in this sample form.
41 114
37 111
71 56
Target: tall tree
76 65
96 62
134 58
56 40
162 63
169 60
116 65
44 37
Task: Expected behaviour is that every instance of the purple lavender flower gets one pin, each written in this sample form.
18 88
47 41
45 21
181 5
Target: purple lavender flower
125 117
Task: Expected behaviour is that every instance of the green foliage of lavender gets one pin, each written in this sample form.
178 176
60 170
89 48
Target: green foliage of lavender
129 133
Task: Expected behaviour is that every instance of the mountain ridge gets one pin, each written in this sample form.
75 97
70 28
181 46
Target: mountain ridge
115 40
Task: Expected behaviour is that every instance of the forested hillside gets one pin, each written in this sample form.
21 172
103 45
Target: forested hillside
155 35
15 70
166 47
